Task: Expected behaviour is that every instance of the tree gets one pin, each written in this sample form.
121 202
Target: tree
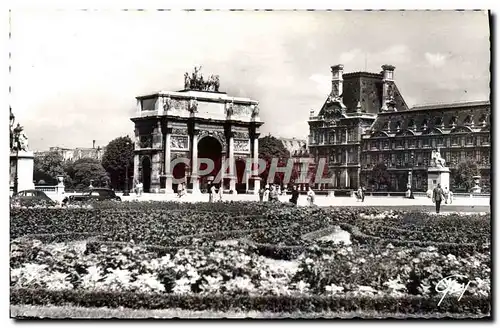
83 170
119 152
380 176
462 175
48 167
269 148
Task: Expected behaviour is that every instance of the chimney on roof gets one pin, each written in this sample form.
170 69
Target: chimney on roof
337 81
93 144
388 88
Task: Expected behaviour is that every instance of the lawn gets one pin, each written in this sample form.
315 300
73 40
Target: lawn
248 258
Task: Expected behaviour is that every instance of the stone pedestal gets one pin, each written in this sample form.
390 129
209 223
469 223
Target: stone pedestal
60 189
232 184
168 184
23 160
196 184
437 175
256 185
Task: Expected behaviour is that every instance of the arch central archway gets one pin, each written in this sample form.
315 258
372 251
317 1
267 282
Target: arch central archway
146 174
209 148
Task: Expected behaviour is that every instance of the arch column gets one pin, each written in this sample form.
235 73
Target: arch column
167 160
255 160
194 165
232 177
136 169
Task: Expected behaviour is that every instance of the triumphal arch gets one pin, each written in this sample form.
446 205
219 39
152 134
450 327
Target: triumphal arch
195 123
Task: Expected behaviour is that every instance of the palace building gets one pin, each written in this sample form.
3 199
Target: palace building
195 123
365 121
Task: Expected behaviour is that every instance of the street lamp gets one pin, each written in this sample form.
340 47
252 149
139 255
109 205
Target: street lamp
126 191
16 175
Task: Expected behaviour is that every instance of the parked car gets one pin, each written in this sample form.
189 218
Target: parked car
94 194
32 197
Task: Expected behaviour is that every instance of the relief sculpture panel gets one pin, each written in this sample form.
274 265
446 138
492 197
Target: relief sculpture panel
241 146
241 111
179 142
178 105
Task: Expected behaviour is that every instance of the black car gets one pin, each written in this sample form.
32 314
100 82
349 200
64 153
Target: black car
32 197
94 194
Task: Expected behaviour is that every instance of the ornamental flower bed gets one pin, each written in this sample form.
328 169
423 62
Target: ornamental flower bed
236 271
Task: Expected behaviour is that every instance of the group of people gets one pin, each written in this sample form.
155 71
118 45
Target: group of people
214 194
271 193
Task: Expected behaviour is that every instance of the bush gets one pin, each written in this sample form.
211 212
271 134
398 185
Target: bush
386 304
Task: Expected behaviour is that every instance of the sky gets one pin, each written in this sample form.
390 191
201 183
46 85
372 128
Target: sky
75 74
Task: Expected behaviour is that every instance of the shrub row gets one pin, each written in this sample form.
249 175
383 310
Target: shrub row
385 304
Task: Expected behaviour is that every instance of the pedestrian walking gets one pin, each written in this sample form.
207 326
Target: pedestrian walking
310 196
212 194
273 194
139 188
438 196
221 192
136 189
180 190
266 194
261 194
295 196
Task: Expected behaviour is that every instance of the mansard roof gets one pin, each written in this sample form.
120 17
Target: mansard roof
364 89
438 118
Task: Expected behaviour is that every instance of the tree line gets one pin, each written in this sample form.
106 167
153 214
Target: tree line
108 172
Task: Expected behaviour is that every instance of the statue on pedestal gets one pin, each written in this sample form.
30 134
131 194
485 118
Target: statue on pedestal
437 160
12 121
187 81
20 141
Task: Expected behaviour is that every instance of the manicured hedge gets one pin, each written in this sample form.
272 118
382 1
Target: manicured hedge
274 227
385 304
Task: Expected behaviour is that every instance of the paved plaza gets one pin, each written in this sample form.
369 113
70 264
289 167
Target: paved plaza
458 203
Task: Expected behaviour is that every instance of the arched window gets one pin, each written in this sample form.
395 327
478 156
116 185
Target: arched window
453 121
482 120
439 122
398 126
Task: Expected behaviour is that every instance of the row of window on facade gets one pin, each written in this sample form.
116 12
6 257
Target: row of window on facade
337 156
439 122
332 137
407 159
427 141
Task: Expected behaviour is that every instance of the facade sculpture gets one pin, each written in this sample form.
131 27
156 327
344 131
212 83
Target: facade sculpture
230 108
255 110
197 82
193 106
